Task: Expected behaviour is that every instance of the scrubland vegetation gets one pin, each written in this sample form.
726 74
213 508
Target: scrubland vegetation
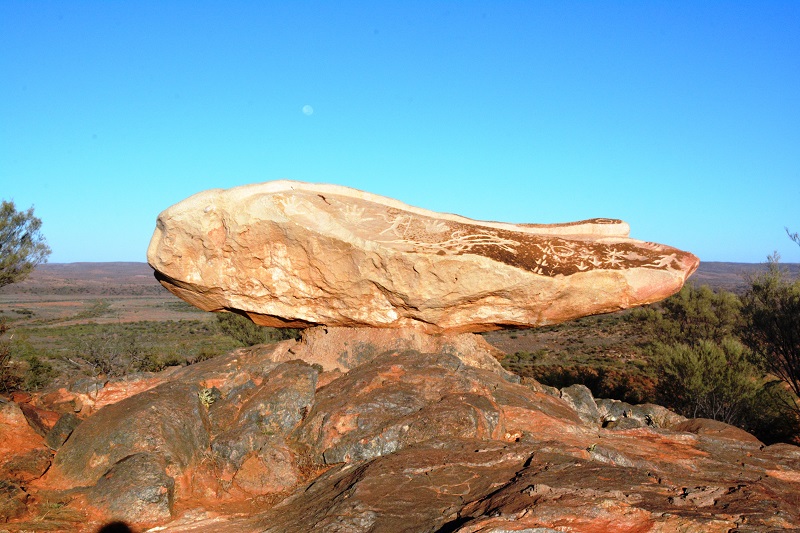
36 352
36 357
733 357
703 353
246 333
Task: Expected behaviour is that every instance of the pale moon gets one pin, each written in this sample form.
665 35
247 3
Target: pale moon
308 110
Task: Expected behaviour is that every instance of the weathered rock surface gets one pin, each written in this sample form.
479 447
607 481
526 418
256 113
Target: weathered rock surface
23 458
400 398
347 348
250 447
386 494
13 500
62 430
403 442
292 254
23 454
136 489
41 420
169 420
615 414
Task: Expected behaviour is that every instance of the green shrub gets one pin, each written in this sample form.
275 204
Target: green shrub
115 349
39 373
25 367
771 416
245 331
156 363
518 360
109 353
692 315
705 371
604 382
10 378
707 380
204 353
772 313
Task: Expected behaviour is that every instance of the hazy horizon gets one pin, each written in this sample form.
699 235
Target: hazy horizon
144 262
681 119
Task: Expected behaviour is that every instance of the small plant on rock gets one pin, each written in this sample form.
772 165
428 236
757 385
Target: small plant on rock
206 396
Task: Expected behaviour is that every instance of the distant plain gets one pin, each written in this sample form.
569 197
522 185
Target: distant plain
63 310
76 293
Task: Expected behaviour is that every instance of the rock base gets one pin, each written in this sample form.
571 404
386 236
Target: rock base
374 435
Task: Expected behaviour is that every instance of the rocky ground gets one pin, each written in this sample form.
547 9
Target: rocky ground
375 432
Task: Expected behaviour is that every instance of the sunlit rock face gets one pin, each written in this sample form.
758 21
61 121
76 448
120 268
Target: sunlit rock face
292 254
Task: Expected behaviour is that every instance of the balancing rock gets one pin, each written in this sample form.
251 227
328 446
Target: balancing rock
292 254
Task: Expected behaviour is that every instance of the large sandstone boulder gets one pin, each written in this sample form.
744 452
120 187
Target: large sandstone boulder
292 254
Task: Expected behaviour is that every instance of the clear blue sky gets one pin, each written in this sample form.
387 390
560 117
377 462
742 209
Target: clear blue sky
682 118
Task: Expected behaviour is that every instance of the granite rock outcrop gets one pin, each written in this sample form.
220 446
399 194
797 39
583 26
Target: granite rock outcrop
292 254
387 414
404 441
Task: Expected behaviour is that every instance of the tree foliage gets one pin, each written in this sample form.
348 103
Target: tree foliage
693 315
772 313
708 380
22 245
703 359
248 333
794 236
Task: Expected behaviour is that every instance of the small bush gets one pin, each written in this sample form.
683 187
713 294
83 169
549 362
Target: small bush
110 353
245 331
708 380
519 360
39 373
772 312
23 367
156 363
692 315
203 354
10 378
771 416
602 381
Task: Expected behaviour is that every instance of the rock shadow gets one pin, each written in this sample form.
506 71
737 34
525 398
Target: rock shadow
116 527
